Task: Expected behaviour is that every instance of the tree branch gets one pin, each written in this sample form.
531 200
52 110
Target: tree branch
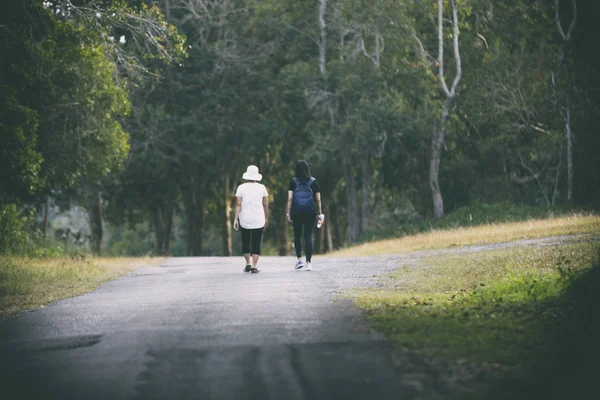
566 37
300 32
323 30
424 53
441 47
456 48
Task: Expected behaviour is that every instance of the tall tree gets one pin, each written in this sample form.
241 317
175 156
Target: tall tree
563 59
439 135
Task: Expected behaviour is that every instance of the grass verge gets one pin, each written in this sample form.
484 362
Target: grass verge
27 283
483 234
523 311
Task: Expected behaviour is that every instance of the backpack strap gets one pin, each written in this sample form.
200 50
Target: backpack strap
296 181
310 181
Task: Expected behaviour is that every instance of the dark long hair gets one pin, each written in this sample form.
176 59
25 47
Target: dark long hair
302 171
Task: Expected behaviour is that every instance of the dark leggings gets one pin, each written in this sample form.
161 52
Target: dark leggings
306 222
254 236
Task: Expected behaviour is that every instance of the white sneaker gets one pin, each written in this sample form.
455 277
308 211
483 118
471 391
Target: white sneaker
308 266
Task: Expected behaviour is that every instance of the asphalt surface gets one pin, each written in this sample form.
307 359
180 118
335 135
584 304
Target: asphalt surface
200 328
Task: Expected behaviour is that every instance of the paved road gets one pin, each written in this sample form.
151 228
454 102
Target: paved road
199 328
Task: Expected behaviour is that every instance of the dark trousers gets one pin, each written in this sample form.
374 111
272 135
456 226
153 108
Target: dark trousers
303 227
251 240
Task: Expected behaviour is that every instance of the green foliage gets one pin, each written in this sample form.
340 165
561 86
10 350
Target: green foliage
161 105
63 105
66 77
133 241
20 161
14 229
20 236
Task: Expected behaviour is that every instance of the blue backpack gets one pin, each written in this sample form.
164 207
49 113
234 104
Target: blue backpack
302 200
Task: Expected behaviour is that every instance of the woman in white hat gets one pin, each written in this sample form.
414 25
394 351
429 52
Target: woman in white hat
252 215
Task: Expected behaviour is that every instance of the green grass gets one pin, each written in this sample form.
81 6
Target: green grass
515 309
28 282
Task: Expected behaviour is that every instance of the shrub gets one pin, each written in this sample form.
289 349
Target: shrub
15 229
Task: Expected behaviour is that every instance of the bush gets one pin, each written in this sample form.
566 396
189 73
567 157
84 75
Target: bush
16 234
131 240
19 235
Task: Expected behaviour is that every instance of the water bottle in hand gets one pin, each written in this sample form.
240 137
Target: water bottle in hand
320 220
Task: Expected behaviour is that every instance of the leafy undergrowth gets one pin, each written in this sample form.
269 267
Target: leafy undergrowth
27 283
520 318
482 234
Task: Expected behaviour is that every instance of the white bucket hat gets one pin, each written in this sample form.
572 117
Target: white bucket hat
252 174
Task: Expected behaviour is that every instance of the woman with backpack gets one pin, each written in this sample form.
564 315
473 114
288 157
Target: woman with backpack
251 215
303 207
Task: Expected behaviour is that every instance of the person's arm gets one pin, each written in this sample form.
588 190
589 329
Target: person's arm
318 199
289 205
238 208
266 208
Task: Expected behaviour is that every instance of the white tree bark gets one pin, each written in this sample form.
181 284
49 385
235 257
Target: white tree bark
352 231
328 233
439 135
569 151
323 33
377 49
46 223
227 239
566 37
366 192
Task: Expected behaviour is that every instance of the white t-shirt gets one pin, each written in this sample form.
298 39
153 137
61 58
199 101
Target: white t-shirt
252 214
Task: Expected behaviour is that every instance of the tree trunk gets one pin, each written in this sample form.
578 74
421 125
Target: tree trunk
327 226
377 47
227 246
366 192
168 215
353 217
46 223
318 248
159 231
437 138
282 224
196 244
96 221
321 238
188 205
566 37
163 225
194 202
283 234
569 152
336 227
555 193
437 142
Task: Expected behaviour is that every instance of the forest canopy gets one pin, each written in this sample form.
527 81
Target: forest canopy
146 113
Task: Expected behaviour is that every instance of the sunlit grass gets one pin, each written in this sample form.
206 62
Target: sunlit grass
483 234
496 307
27 283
